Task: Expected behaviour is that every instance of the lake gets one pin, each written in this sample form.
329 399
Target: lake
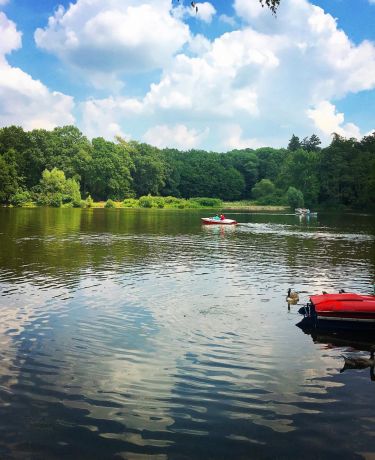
143 334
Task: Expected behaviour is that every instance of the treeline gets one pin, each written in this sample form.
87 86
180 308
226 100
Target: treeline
63 166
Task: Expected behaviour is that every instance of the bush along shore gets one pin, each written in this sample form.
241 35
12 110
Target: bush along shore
145 202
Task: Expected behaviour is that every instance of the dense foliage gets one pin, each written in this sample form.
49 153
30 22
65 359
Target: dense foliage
59 167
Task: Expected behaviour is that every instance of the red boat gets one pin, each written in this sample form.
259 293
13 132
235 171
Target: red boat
213 221
342 311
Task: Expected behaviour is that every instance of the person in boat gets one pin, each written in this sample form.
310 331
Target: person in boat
217 217
222 217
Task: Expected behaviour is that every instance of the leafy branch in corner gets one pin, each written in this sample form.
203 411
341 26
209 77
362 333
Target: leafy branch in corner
271 4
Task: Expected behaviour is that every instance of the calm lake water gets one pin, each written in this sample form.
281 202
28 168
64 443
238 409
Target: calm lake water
142 334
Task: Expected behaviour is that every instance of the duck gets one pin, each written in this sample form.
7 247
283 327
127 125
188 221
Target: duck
292 296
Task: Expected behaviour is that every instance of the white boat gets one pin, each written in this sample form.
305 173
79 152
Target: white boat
213 221
304 212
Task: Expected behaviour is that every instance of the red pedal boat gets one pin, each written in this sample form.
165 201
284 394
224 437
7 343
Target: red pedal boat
213 221
342 311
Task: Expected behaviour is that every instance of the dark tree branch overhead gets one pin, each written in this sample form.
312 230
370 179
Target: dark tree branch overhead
271 4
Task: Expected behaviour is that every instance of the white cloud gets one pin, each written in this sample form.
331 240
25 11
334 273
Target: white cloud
199 44
329 121
3 2
200 11
105 117
264 81
178 136
23 100
205 11
114 36
10 37
227 19
233 139
248 10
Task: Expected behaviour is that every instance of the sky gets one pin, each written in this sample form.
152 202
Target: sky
230 75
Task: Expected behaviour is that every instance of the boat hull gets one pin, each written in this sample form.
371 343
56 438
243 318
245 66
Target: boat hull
210 221
340 311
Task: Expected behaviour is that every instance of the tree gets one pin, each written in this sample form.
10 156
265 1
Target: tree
149 170
109 171
54 189
9 181
294 198
294 143
300 170
264 189
269 161
246 162
311 144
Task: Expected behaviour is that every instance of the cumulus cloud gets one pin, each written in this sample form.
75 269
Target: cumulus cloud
115 36
23 100
233 139
174 136
272 77
329 121
11 38
205 11
227 19
106 116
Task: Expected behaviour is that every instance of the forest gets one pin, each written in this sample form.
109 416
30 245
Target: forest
63 167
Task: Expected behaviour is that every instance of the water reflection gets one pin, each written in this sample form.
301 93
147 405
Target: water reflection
131 334
352 346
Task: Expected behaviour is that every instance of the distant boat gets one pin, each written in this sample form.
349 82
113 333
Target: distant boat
213 221
305 212
340 311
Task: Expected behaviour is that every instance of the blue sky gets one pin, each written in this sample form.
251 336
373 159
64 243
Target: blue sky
229 76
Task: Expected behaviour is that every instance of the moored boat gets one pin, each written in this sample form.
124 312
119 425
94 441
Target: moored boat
213 221
340 311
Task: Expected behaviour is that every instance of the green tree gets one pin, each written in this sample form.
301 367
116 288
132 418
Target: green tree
294 198
246 163
311 144
263 188
294 143
9 180
110 171
269 161
149 171
54 189
300 170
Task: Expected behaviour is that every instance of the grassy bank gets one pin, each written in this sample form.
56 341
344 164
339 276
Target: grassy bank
251 206
168 202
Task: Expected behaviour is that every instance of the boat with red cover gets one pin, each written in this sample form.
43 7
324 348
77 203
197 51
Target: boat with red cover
213 221
340 311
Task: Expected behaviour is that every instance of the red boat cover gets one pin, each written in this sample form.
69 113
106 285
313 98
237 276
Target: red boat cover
345 302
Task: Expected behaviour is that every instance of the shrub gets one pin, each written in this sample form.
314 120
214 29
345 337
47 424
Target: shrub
159 202
171 199
20 198
146 201
130 203
89 202
110 204
207 202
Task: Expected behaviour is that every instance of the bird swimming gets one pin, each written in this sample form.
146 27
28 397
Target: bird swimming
292 296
